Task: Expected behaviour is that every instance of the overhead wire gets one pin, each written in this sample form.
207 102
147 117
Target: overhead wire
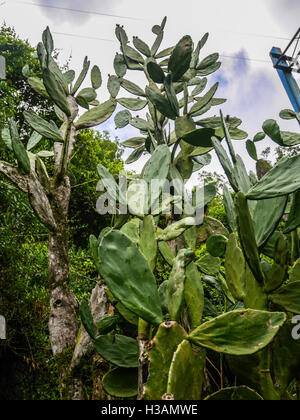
134 18
93 12
114 41
77 10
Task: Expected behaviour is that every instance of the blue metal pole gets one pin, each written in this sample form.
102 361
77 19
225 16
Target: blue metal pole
287 78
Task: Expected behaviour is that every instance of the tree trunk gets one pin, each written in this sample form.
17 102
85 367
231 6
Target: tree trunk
63 322
63 325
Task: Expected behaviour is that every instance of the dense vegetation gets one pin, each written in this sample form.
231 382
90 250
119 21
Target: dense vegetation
171 306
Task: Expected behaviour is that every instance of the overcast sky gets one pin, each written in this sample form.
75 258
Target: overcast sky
242 31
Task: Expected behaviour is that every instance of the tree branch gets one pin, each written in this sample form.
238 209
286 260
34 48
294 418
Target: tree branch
15 176
98 305
65 151
40 203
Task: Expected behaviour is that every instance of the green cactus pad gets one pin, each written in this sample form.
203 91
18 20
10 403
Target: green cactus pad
157 167
288 297
132 87
239 332
128 276
171 94
87 318
131 229
247 237
180 58
240 175
96 115
285 357
255 295
267 215
135 155
157 43
134 142
283 138
184 125
56 91
259 137
293 221
162 291
204 100
48 40
208 61
176 281
200 87
88 94
19 148
235 268
81 77
122 118
141 46
96 77
120 350
148 243
38 85
216 245
33 141
175 229
209 70
128 315
120 65
225 162
166 252
93 246
121 383
133 54
133 104
164 344
190 237
282 179
209 265
160 102
109 182
44 128
200 137
5 136
278 272
140 124
187 372
230 209
113 85
193 295
107 323
165 52
287 114
251 149
225 130
155 72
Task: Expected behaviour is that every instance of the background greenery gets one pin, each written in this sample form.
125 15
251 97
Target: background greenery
26 363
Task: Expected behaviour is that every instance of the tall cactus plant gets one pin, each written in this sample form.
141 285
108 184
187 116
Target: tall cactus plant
49 195
175 335
259 269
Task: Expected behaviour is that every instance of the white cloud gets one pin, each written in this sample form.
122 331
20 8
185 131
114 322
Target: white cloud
57 10
245 29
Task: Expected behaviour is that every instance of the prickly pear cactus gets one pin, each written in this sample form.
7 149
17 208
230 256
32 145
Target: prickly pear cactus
180 322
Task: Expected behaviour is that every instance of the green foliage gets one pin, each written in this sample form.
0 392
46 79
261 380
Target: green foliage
16 93
92 148
219 302
221 295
